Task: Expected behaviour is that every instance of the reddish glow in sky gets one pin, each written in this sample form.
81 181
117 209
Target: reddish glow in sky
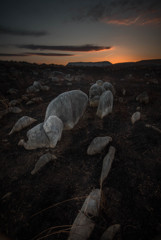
59 31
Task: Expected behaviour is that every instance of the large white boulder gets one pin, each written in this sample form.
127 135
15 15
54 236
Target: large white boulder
105 104
69 107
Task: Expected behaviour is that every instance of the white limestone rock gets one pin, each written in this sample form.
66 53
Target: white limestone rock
53 128
107 162
110 232
23 122
84 224
98 144
135 117
37 138
105 104
109 86
95 90
45 134
43 160
69 107
14 110
91 205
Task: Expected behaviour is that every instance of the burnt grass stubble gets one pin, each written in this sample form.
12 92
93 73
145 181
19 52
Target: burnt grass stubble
132 191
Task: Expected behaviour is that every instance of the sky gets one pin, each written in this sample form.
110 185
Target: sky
62 31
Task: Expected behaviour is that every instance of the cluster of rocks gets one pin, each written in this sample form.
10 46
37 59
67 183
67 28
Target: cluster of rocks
36 87
142 98
63 112
84 223
101 96
29 98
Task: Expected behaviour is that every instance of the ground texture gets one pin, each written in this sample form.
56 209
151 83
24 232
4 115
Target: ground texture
45 205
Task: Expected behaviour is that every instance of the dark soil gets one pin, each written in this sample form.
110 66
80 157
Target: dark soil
30 205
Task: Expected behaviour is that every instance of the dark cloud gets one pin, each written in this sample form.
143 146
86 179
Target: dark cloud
13 55
20 32
81 48
35 54
125 12
51 54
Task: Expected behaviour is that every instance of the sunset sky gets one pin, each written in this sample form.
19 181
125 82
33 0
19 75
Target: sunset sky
62 31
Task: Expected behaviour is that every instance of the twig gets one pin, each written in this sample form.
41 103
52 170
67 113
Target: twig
59 203
51 228
66 230
153 127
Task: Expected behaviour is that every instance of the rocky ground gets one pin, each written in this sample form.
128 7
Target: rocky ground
44 205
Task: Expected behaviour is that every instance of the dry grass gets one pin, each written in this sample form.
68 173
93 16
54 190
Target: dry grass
65 229
57 204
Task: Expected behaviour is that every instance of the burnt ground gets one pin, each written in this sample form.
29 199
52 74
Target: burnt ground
35 207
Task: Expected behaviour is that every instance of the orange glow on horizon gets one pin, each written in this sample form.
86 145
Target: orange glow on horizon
113 61
116 54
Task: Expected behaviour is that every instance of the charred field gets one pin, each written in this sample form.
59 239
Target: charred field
45 205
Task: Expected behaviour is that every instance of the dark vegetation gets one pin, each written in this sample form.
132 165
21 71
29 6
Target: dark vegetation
132 191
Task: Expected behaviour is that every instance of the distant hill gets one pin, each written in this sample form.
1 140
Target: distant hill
151 61
89 64
142 62
107 63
